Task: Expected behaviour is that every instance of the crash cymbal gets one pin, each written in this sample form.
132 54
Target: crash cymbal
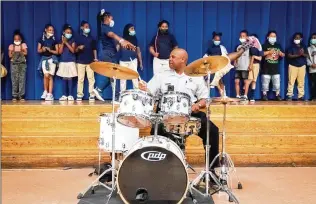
113 70
199 67
225 99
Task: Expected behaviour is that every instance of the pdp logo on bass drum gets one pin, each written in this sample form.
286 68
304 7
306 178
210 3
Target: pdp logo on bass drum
153 156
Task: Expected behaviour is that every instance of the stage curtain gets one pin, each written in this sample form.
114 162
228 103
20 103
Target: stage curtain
192 23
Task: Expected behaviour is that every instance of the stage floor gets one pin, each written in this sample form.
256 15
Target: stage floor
273 185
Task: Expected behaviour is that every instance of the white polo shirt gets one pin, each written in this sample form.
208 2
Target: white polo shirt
195 87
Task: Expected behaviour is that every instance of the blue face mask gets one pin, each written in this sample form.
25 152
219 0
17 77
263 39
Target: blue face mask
68 36
86 30
216 42
313 41
132 32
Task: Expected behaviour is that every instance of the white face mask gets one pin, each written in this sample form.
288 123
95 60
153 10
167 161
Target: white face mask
272 40
242 40
297 41
49 34
17 42
111 23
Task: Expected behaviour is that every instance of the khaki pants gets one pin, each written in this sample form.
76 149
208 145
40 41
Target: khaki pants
296 73
253 74
133 66
82 69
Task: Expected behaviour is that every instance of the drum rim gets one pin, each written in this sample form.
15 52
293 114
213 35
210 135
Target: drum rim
177 92
126 92
128 153
172 113
133 114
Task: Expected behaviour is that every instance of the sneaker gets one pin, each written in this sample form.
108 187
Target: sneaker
252 99
289 98
265 98
278 98
79 98
301 99
92 98
44 95
21 98
49 97
14 98
63 98
244 97
71 98
238 97
98 94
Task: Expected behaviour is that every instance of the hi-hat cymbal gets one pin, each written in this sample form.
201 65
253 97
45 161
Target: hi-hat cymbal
199 67
225 99
113 70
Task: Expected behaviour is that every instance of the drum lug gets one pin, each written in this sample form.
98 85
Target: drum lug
179 99
135 97
107 145
123 146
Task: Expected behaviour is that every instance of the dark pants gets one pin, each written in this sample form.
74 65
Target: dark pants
18 72
313 82
103 82
213 132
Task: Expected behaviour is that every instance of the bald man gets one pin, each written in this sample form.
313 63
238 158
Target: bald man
195 87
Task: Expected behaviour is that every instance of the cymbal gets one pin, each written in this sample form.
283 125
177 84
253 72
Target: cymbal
199 67
225 99
111 70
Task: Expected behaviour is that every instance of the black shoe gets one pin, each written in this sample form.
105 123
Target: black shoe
301 99
21 98
289 98
14 98
264 97
278 98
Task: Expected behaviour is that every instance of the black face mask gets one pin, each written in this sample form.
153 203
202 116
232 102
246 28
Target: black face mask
164 31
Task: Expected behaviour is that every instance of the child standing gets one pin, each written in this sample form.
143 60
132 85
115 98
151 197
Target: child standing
48 48
67 66
297 54
311 62
86 54
270 67
17 53
130 58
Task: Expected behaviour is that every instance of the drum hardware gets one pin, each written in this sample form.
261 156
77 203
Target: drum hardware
113 71
226 163
203 67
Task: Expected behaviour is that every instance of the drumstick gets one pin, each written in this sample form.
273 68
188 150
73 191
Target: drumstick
140 79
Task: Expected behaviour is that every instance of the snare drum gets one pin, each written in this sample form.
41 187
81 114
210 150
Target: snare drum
191 127
176 107
125 137
135 108
156 168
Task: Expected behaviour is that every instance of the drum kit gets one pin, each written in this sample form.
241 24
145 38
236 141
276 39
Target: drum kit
154 167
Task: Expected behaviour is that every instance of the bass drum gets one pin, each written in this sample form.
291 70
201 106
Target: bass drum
154 169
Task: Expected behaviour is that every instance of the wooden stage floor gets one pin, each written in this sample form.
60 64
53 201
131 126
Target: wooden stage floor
39 134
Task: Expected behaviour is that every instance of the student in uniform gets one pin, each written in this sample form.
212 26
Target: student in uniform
67 67
107 51
130 58
86 54
161 46
297 54
217 49
311 62
47 47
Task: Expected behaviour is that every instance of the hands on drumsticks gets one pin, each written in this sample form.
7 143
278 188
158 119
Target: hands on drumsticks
142 85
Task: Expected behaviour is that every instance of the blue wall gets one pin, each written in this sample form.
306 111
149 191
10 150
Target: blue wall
191 22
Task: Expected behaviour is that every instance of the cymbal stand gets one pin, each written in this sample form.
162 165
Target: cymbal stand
226 163
206 173
112 169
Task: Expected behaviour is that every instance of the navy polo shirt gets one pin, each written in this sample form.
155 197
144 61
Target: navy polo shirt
127 55
47 42
214 50
165 44
68 56
108 43
255 52
295 50
86 56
